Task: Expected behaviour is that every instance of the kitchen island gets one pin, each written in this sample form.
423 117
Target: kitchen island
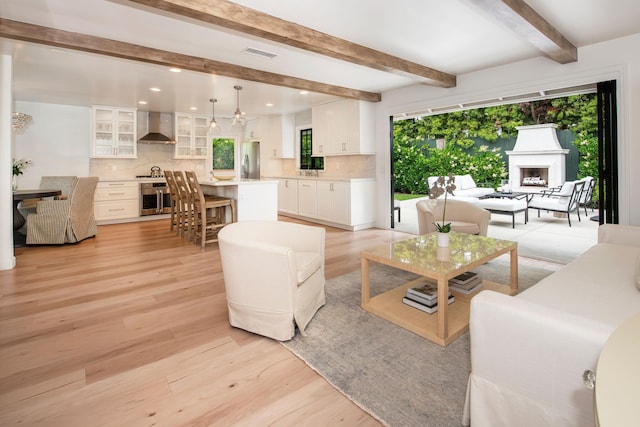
255 199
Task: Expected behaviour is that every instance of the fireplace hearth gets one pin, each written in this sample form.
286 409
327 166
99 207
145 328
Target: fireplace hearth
534 177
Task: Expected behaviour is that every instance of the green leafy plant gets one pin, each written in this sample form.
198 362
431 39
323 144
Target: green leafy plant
443 185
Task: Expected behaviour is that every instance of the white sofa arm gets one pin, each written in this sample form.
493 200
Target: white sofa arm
619 234
527 362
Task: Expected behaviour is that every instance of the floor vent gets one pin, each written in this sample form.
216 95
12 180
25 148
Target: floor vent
261 53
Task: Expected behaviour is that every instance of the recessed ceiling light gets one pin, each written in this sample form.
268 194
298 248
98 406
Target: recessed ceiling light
154 89
268 104
193 108
142 102
175 70
303 92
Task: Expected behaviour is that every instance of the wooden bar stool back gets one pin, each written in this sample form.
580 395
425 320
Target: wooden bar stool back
173 205
209 212
185 205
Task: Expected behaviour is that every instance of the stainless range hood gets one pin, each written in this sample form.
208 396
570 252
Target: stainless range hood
157 128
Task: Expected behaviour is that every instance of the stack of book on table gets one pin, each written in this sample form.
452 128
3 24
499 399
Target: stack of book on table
466 283
424 297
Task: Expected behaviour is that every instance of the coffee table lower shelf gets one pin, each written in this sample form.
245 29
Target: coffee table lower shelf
389 306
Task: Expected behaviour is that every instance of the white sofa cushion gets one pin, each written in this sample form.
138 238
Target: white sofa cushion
597 285
465 182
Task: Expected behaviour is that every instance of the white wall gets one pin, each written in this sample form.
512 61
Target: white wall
57 141
617 59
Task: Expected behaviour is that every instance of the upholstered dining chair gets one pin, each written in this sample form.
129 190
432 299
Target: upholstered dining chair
64 221
464 217
273 275
53 182
209 212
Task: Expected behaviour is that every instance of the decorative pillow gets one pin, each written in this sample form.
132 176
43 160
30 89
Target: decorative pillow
636 277
567 188
465 182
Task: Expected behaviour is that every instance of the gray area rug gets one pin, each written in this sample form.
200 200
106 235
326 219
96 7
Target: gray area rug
398 377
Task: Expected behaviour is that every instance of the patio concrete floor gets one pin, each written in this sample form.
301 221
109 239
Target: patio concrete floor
546 238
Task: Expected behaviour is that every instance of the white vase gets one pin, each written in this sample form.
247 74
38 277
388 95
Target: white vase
14 182
443 239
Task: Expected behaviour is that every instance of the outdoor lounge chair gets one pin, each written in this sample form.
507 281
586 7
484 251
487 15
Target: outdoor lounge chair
564 200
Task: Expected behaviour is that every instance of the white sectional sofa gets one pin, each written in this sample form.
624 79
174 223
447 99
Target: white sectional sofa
465 187
529 352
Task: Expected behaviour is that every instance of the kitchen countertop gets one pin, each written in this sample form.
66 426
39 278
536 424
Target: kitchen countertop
201 180
322 178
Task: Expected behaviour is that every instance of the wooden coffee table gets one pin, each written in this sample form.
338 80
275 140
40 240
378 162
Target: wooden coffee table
421 255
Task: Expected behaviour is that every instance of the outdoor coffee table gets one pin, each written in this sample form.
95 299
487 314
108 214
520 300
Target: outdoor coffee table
421 255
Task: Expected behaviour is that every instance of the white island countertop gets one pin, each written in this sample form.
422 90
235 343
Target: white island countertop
213 182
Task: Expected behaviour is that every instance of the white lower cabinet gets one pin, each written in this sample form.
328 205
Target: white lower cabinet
288 196
333 201
307 198
116 200
348 204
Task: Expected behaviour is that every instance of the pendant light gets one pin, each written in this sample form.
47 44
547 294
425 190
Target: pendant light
213 124
237 116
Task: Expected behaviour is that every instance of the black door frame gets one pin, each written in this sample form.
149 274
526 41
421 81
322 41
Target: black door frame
607 153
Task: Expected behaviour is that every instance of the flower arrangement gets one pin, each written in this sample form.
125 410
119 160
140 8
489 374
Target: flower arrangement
19 165
443 185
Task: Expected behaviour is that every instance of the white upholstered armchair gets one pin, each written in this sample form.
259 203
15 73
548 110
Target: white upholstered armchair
64 221
273 275
464 217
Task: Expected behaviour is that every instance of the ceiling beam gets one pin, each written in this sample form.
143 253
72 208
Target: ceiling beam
250 21
53 37
525 21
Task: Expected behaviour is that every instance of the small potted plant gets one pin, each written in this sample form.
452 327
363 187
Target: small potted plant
18 169
443 185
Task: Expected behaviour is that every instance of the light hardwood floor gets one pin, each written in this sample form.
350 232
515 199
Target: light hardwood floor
130 329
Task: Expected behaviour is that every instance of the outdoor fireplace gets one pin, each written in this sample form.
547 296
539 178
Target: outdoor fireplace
537 159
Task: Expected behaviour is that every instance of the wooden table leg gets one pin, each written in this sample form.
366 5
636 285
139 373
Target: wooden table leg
365 291
514 271
443 302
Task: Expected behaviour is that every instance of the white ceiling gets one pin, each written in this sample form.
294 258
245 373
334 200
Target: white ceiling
453 36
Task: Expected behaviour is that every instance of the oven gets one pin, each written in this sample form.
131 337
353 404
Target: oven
154 198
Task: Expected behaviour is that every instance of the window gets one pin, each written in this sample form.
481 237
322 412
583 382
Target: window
306 148
223 153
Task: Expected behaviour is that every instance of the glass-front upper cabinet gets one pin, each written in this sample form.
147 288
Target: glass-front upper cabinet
114 132
192 136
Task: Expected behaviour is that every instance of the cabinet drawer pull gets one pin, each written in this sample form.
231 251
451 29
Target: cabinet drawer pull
116 194
113 210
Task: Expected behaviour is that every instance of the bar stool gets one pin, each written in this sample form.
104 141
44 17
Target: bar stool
209 212
173 205
185 205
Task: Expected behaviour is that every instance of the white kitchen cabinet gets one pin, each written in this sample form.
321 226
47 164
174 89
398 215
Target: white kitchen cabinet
288 196
333 201
253 129
307 198
192 136
113 132
279 139
116 200
343 127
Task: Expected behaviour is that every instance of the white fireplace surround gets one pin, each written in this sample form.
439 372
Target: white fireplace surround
537 146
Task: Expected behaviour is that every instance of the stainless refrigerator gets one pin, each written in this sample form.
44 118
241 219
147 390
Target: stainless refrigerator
250 155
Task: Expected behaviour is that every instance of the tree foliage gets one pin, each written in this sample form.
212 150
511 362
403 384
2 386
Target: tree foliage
414 161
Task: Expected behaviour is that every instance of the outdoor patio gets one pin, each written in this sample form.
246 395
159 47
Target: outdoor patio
547 238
